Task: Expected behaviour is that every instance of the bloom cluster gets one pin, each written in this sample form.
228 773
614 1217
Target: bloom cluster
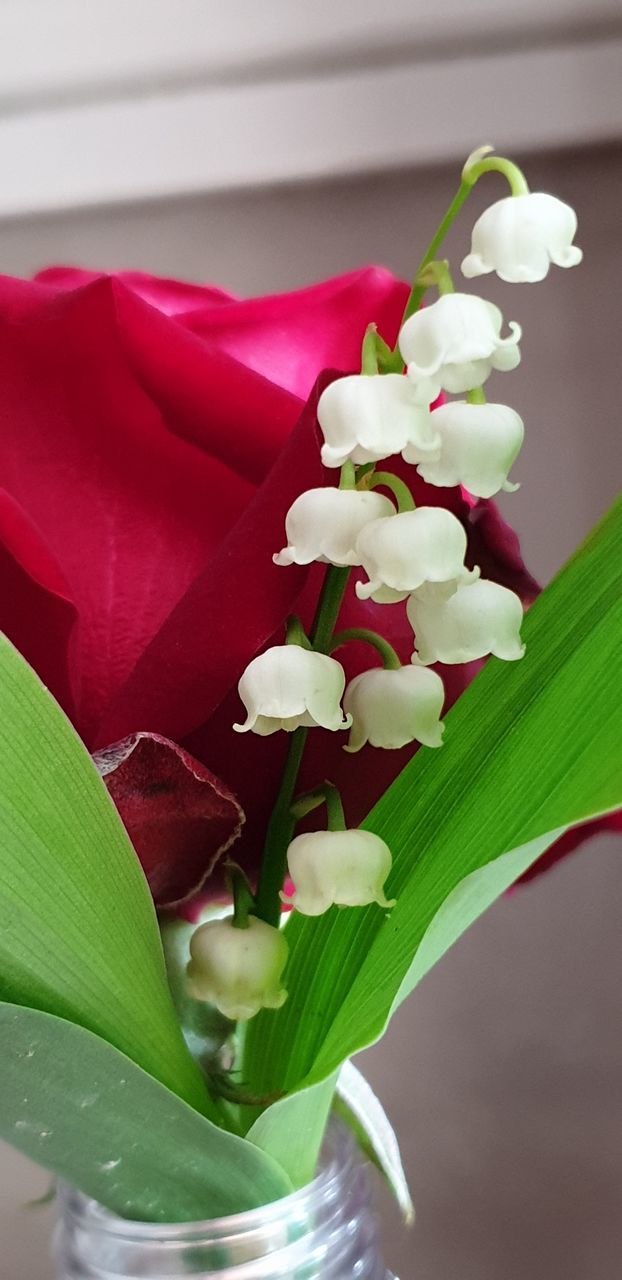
407 556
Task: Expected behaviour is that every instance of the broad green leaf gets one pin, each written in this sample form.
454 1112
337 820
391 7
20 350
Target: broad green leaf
531 748
291 1130
78 932
363 1111
76 1105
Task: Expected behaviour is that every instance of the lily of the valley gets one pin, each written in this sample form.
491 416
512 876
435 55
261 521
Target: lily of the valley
479 443
365 418
341 868
238 970
402 552
455 344
519 237
288 686
390 708
324 524
476 620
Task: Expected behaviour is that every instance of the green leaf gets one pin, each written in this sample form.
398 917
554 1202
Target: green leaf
357 1103
76 1105
291 1130
531 748
78 932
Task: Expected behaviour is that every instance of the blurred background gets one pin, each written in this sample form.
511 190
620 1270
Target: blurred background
264 146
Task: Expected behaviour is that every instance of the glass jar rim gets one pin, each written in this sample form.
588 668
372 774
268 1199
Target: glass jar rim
338 1152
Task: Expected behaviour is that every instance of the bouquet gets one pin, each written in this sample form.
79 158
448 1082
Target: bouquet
274 728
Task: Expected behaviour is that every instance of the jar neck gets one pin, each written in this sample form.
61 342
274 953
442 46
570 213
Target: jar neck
326 1231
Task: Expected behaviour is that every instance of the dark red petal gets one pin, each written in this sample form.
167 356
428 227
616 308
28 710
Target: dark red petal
179 816
36 610
230 612
128 510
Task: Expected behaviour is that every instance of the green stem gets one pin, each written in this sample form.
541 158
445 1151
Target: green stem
476 395
369 352
279 834
470 175
282 822
390 660
326 794
328 607
437 273
400 490
295 633
347 476
243 900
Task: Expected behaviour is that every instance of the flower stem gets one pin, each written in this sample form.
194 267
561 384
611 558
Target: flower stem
279 834
471 174
390 660
282 821
400 490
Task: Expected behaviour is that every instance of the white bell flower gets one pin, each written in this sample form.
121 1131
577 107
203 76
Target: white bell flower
369 417
337 868
479 443
400 553
455 344
288 686
519 236
390 708
323 524
237 970
476 620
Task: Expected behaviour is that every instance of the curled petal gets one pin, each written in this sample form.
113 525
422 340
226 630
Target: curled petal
476 620
392 708
288 687
368 418
401 553
456 342
479 443
180 817
237 970
519 237
324 524
341 868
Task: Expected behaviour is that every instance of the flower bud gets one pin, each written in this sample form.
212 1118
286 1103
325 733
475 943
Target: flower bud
288 686
479 443
456 343
323 524
237 970
366 418
477 619
519 236
402 552
341 868
390 708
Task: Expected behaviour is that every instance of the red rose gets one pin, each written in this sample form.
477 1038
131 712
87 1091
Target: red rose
153 435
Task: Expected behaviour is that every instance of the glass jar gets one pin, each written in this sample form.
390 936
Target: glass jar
326 1231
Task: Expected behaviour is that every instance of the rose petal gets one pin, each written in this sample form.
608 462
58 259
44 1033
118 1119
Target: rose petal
230 611
128 510
173 297
179 816
36 610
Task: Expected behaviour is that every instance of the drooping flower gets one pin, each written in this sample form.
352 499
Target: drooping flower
238 970
366 418
476 620
324 524
400 553
455 344
479 443
288 686
519 236
340 868
390 708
